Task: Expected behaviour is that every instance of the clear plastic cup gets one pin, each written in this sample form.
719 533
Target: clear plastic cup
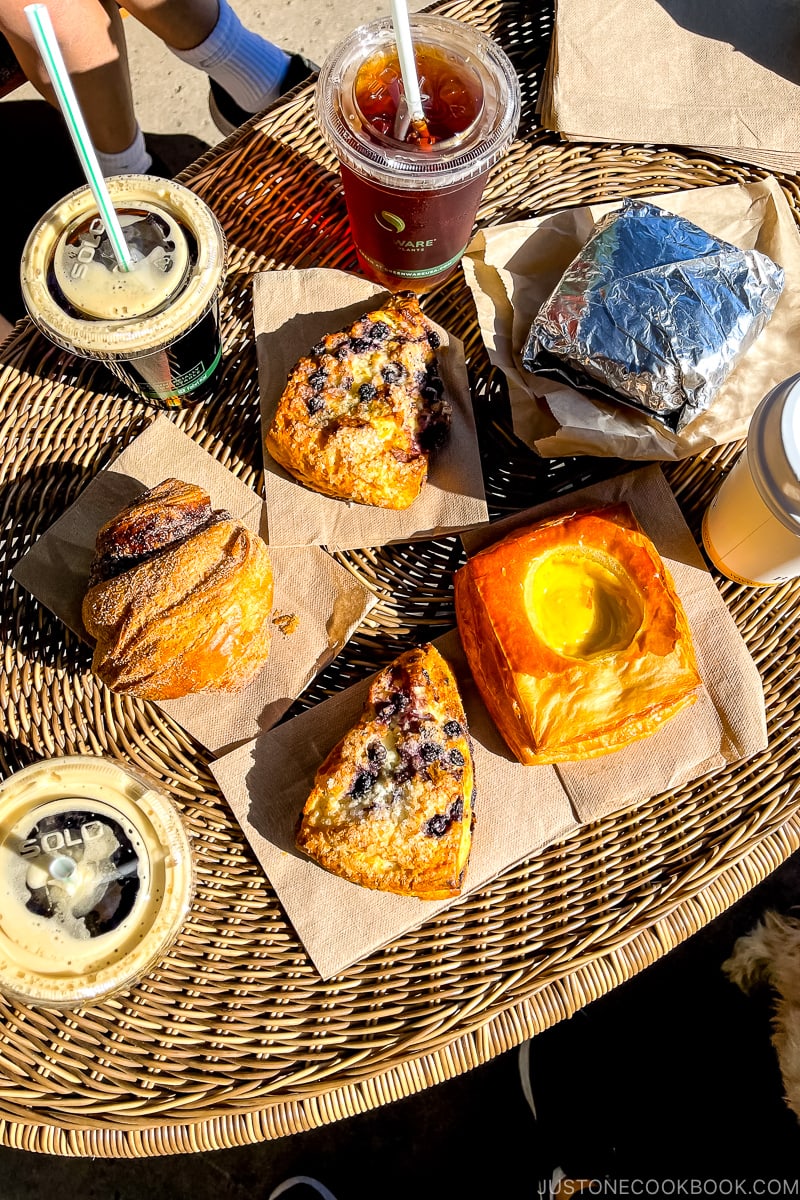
96 879
156 326
412 205
751 529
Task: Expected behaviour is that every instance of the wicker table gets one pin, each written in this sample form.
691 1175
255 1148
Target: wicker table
233 1038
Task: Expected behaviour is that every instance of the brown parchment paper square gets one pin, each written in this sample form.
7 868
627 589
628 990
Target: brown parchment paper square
728 720
330 604
291 311
717 75
518 810
511 270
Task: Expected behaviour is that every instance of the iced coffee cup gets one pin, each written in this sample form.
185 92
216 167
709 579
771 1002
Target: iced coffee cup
751 529
96 880
156 326
412 201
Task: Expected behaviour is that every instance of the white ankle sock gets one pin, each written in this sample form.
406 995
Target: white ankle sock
245 64
134 161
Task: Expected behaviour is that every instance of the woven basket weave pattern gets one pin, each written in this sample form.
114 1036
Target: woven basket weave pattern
233 1038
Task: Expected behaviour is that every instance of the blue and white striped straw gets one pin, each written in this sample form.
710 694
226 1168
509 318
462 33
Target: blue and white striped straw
42 26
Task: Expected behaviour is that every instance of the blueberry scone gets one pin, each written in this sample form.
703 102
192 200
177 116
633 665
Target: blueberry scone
362 412
392 804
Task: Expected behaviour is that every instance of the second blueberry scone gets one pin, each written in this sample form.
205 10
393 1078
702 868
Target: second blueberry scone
392 804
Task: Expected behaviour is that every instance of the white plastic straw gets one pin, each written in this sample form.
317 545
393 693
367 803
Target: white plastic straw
405 53
42 26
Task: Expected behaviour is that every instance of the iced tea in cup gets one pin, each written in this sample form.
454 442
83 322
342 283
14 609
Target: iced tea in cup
411 201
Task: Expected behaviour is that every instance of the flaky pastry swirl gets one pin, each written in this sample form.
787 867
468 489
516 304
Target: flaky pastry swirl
179 598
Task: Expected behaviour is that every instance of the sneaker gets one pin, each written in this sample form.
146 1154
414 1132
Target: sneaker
158 166
555 1155
301 1187
227 115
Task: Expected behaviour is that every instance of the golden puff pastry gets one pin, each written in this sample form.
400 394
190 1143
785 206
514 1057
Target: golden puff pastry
392 806
576 636
179 598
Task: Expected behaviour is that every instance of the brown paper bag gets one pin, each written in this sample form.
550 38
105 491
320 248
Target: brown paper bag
292 310
328 601
702 74
511 269
518 809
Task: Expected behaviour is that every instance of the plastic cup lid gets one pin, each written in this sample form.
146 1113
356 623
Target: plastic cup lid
95 880
399 165
167 316
790 433
88 275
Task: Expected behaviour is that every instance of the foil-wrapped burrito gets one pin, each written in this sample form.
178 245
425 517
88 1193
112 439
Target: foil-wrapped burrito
654 312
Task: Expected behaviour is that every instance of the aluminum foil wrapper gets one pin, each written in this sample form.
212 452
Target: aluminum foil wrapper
653 312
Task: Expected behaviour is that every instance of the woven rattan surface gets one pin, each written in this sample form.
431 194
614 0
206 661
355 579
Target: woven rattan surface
233 1038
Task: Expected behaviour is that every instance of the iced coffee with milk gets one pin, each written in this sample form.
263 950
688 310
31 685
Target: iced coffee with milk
96 880
751 529
155 325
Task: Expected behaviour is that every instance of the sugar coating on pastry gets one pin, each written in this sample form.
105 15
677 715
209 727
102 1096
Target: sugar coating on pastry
575 635
392 806
362 412
179 598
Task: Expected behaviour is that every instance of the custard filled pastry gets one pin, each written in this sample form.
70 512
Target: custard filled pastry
575 635
179 597
361 413
392 804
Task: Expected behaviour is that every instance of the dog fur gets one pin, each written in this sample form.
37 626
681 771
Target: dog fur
770 954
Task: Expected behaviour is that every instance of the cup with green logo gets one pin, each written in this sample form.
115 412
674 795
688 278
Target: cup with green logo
412 189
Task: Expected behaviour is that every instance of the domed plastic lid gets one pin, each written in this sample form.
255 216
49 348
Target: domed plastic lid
173 300
90 279
95 880
396 164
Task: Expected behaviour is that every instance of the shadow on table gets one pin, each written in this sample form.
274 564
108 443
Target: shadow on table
42 166
176 150
744 27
